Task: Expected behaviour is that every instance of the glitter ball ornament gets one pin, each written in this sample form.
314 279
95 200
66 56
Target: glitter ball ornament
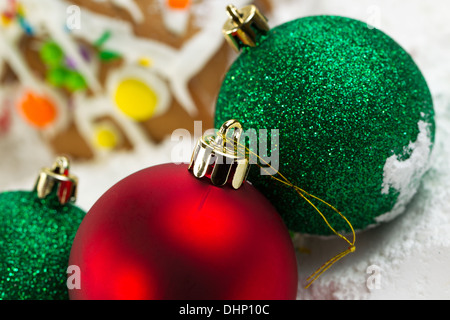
354 114
163 234
36 234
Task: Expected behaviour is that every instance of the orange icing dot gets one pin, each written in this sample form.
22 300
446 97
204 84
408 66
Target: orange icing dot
37 110
178 4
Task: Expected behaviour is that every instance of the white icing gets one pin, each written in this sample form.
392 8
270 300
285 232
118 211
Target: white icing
404 175
4 6
11 55
132 8
175 20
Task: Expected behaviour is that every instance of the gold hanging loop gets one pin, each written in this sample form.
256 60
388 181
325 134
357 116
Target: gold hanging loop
57 181
219 159
242 27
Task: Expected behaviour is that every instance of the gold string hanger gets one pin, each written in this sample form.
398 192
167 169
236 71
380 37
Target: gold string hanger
305 195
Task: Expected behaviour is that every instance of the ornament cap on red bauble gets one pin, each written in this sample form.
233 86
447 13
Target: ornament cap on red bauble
164 234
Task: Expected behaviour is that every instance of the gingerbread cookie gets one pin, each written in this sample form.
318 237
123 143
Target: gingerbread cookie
99 76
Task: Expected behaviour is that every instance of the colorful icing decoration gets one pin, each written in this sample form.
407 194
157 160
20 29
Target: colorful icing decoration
6 19
74 81
50 20
102 40
16 11
145 62
138 93
106 136
37 110
136 99
51 54
104 54
56 77
61 70
37 105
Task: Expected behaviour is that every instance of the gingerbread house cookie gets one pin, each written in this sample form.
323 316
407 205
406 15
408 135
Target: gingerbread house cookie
95 77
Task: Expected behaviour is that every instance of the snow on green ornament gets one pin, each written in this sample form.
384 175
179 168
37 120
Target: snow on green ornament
354 113
36 235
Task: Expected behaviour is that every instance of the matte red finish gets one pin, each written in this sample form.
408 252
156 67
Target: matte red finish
161 233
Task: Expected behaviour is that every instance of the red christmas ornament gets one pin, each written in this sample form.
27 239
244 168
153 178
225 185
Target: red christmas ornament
162 233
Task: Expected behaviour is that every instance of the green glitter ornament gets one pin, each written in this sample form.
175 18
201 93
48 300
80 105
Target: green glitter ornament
354 114
36 236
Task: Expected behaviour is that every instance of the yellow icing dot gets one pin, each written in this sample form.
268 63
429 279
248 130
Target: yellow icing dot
5 21
136 99
106 137
145 62
20 10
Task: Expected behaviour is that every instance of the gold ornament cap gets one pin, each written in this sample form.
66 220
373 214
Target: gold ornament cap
57 181
243 26
221 159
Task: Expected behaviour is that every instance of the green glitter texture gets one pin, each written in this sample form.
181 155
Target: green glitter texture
345 98
35 241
